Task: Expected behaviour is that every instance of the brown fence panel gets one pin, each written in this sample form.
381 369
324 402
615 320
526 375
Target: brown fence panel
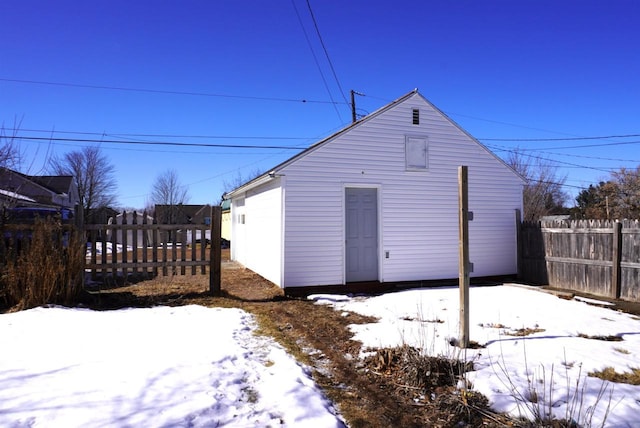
140 249
630 261
598 257
532 254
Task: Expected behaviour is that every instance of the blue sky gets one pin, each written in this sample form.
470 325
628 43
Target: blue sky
236 72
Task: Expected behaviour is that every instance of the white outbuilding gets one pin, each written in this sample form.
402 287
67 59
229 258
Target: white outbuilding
377 204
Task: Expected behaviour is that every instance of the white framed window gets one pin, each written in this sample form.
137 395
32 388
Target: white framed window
416 150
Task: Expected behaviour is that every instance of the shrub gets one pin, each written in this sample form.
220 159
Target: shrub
42 264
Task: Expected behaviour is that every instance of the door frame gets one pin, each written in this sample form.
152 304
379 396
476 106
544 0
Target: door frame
378 188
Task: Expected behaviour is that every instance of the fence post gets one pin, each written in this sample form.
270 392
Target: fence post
216 250
616 259
463 264
518 244
134 243
125 244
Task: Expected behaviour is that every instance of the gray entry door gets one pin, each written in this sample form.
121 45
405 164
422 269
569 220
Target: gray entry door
361 224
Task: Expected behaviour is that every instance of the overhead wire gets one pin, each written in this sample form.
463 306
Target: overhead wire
159 143
315 59
126 134
496 147
582 146
597 137
552 160
167 92
326 52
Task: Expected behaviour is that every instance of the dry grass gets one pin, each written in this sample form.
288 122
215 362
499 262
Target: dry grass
45 268
600 337
632 377
525 331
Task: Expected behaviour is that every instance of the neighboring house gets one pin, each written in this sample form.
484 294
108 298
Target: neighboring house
100 215
139 218
37 190
183 214
226 220
377 202
12 199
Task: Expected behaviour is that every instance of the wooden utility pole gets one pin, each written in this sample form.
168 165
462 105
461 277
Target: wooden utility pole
353 105
463 270
216 250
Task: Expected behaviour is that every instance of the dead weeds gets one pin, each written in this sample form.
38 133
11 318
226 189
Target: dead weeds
631 377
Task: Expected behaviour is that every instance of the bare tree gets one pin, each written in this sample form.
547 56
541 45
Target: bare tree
617 198
10 155
239 179
628 183
94 176
168 191
543 194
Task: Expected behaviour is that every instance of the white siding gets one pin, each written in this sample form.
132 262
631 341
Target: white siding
257 244
419 223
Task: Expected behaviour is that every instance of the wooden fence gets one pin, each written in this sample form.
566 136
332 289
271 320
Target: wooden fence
139 248
598 257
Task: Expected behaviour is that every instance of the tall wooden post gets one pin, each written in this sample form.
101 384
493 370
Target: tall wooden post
463 270
616 259
216 250
519 254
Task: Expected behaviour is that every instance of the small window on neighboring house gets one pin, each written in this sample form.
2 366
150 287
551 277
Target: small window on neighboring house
416 154
241 218
207 221
416 116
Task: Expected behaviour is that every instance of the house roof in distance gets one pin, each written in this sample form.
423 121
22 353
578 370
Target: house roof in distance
57 183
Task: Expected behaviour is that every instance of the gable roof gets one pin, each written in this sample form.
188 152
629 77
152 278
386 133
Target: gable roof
180 212
56 183
273 171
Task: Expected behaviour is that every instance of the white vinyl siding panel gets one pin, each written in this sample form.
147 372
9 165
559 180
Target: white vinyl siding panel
419 223
259 239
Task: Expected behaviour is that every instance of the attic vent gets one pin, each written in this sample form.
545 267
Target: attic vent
416 116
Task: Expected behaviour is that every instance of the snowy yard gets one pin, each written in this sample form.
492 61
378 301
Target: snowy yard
184 366
551 363
196 366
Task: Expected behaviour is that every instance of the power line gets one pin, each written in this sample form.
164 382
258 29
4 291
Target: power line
315 59
617 143
555 161
599 137
161 91
557 184
335 76
159 143
211 137
571 155
268 137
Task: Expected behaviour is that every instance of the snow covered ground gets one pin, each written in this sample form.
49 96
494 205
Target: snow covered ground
108 246
185 366
550 364
196 366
